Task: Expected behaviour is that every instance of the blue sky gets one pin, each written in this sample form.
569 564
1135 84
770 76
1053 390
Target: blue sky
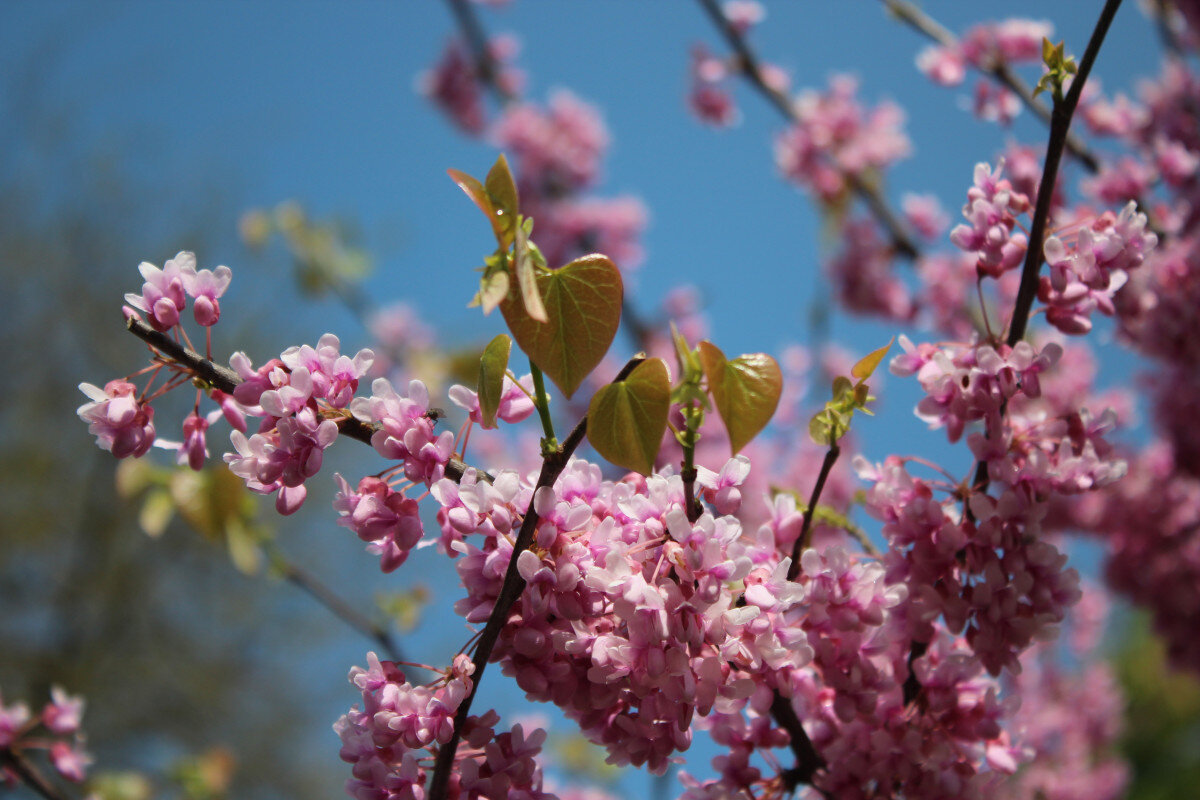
267 101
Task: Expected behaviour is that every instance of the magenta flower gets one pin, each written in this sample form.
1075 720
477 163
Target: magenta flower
121 424
163 297
205 288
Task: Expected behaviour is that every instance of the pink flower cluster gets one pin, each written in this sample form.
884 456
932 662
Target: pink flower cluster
406 430
516 400
122 418
121 423
984 47
454 84
391 738
60 718
835 139
299 397
991 210
1085 274
389 521
165 292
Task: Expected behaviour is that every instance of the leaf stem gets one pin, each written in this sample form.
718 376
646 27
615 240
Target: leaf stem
542 401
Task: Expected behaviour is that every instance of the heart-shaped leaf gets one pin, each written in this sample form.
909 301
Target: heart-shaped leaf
746 391
627 419
492 366
583 307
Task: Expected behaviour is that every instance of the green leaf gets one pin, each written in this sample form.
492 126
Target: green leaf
746 391
526 276
863 369
502 190
492 367
627 419
583 306
156 512
479 196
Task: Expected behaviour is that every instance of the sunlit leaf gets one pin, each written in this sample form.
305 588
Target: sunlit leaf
627 419
156 512
526 276
502 190
868 363
493 288
583 304
492 366
746 391
479 196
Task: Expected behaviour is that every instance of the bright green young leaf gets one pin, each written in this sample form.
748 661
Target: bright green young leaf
627 419
493 288
867 365
526 275
746 391
157 510
492 366
583 304
502 190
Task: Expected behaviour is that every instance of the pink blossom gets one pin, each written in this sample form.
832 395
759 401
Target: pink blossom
206 287
71 762
163 297
387 520
121 424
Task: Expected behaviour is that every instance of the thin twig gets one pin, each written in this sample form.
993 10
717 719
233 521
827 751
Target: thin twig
15 760
510 592
802 541
996 69
486 68
315 588
1060 124
903 242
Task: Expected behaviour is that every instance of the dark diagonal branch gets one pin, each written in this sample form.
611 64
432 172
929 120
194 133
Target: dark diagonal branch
510 592
1060 124
14 760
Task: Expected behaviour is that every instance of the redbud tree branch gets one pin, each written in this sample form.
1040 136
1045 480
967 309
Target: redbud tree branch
997 69
510 591
15 760
311 585
805 537
903 242
1060 123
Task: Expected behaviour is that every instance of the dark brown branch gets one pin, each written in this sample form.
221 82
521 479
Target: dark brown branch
808 760
903 242
510 592
802 541
1060 124
15 760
